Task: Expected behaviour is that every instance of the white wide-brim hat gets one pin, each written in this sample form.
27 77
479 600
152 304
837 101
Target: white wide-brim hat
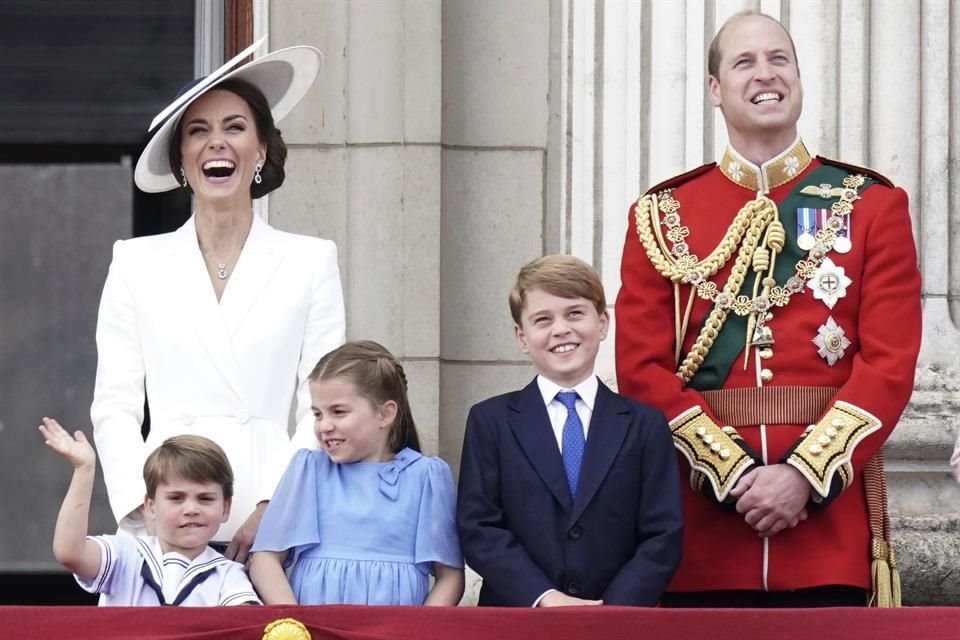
283 76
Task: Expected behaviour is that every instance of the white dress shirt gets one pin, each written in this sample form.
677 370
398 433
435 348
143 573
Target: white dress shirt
587 395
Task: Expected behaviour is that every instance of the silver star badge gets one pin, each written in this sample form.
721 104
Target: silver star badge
829 283
831 341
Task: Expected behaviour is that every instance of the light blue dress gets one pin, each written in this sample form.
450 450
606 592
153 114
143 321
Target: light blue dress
364 532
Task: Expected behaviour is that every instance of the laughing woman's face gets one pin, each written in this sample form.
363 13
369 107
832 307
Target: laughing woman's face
220 148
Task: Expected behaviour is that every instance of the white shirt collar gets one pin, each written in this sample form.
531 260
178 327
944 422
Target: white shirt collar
587 390
152 553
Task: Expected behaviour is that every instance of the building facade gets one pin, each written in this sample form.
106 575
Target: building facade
449 142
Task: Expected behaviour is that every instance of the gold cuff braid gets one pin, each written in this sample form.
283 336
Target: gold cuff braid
710 449
828 446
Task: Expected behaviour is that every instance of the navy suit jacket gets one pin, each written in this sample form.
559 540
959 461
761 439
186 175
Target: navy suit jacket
618 541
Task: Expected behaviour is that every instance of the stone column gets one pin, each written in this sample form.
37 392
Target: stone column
364 170
500 174
496 117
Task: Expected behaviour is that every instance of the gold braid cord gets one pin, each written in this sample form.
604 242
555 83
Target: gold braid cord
710 450
746 231
759 236
677 264
718 315
827 447
883 568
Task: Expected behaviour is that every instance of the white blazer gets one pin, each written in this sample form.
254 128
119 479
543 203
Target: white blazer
227 370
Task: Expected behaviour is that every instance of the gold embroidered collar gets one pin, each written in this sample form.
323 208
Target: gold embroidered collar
772 173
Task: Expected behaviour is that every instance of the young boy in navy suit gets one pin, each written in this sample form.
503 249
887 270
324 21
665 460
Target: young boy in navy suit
569 493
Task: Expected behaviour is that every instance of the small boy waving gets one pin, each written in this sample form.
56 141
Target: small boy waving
189 488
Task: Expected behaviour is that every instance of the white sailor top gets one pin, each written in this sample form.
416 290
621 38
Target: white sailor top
136 572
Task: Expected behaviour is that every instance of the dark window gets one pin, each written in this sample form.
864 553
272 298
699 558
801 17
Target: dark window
82 80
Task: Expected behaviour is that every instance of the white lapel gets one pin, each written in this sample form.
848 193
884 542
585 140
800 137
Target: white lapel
256 266
200 302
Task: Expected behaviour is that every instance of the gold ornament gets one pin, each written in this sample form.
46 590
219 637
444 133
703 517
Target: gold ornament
286 629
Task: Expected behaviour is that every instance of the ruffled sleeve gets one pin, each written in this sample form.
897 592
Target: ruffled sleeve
437 539
292 519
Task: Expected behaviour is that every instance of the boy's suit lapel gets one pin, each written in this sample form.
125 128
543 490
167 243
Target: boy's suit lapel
608 429
531 425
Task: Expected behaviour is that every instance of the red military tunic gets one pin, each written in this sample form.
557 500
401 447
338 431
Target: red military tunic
873 340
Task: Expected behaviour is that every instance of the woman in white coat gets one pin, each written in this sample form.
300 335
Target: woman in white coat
219 323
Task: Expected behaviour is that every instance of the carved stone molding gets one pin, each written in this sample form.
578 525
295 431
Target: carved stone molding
924 497
928 553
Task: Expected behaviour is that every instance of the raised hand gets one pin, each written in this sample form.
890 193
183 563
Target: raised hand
70 544
76 449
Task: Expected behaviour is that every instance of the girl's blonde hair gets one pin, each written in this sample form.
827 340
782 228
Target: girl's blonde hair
379 377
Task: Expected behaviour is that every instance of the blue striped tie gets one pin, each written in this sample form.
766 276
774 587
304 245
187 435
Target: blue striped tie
572 442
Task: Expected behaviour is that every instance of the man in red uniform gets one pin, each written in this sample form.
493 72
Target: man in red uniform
794 294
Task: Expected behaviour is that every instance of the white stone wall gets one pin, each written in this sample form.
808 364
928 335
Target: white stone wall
450 142
364 170
496 62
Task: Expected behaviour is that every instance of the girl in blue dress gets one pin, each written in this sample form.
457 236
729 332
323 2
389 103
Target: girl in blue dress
367 518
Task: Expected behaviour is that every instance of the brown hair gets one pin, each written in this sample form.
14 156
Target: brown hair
379 377
714 54
193 458
559 275
272 173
